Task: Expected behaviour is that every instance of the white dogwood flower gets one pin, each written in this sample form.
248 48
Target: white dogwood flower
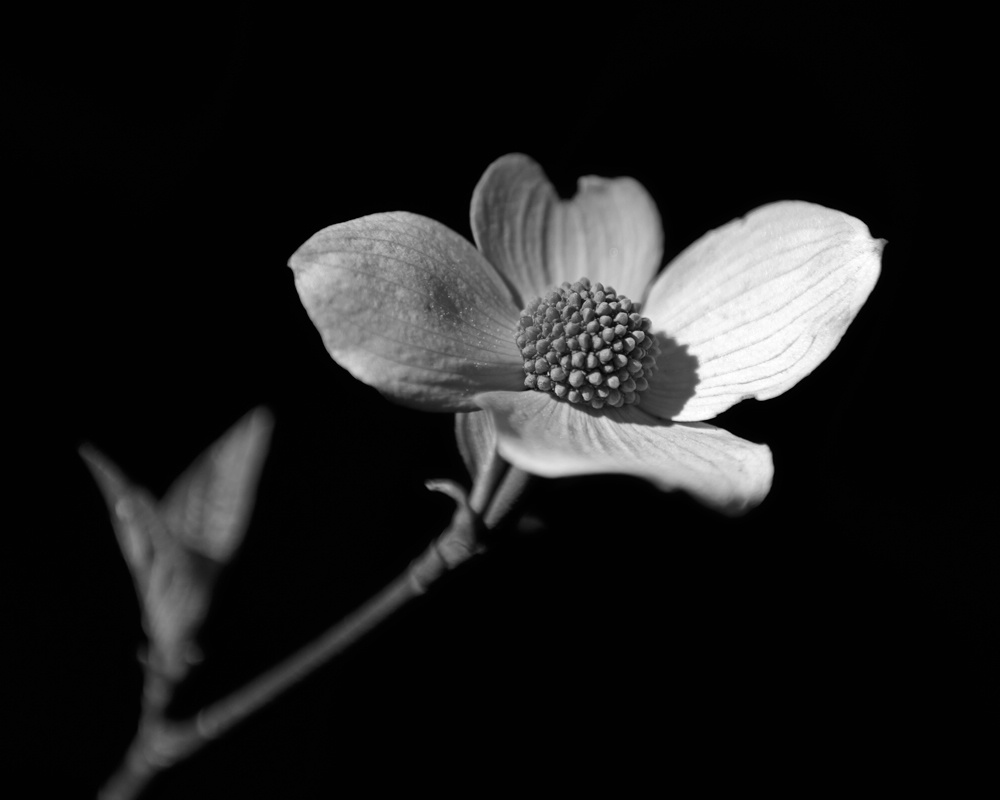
562 344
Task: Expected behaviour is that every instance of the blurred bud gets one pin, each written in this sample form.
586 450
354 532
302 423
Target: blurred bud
176 547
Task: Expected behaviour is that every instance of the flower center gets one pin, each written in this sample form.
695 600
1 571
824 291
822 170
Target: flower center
587 344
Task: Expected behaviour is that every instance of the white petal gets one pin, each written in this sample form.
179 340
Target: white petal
554 438
609 232
477 440
410 308
759 303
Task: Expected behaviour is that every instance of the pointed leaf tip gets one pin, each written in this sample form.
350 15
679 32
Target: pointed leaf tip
107 476
208 508
133 515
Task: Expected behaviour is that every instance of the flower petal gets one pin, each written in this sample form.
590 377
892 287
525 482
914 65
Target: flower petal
411 308
553 438
609 232
759 303
477 440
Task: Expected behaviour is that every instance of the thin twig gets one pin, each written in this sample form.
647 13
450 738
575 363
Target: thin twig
160 743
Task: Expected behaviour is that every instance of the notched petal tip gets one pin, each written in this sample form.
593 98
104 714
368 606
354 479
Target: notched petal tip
609 231
756 466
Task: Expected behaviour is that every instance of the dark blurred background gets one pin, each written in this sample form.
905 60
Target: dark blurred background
169 169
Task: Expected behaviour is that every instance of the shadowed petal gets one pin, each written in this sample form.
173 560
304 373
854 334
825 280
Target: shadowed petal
553 438
411 308
609 232
759 303
477 440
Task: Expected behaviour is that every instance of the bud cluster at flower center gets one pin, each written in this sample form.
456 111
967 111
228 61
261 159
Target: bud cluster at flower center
587 344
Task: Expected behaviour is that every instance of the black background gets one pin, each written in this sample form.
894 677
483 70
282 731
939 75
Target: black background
171 169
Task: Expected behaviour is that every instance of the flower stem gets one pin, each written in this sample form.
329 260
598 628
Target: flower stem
507 496
498 488
160 743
